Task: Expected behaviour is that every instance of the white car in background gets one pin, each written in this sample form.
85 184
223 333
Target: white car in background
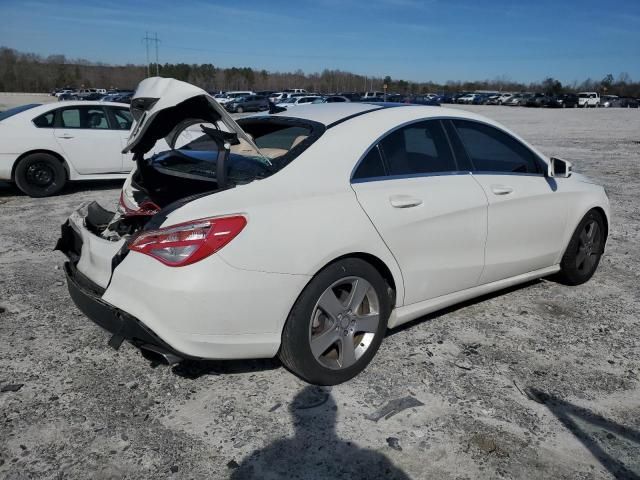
44 146
588 99
308 233
505 97
467 99
301 100
231 96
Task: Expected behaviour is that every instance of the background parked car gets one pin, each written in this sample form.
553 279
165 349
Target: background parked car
249 103
536 100
467 98
336 99
44 146
504 98
302 100
588 99
566 100
230 96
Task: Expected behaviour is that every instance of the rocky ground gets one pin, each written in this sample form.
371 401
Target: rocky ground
541 381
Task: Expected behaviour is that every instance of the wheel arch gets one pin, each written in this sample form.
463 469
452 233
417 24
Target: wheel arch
59 157
376 263
596 208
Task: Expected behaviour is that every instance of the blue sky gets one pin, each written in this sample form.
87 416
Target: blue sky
415 40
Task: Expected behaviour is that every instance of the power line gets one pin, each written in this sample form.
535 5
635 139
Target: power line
148 40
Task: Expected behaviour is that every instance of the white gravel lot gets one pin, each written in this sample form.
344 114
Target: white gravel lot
541 381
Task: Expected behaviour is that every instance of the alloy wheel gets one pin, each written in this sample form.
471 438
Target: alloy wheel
344 322
589 247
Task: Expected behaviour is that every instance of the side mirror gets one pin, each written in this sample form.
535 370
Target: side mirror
559 168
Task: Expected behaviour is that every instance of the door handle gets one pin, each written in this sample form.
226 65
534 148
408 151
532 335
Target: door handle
404 201
66 136
501 189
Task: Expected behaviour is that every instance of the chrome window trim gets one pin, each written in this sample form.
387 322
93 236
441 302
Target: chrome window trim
411 175
438 174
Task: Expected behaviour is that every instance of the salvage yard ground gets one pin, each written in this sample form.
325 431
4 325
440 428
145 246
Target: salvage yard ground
541 381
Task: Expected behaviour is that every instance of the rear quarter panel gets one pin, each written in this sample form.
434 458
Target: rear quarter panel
299 219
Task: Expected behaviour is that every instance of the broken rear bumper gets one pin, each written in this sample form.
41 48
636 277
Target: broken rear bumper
87 297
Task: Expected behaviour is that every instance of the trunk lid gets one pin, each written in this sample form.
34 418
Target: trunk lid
160 105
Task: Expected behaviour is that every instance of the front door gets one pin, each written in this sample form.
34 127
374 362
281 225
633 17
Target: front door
527 213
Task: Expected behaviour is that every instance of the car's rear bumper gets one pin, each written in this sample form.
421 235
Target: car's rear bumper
208 310
88 298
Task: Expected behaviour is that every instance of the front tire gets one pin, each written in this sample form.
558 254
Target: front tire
40 175
337 324
584 251
239 110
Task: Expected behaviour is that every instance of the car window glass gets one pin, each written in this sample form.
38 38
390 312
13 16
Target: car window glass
93 118
45 120
84 117
123 118
282 138
491 150
371 165
71 118
418 148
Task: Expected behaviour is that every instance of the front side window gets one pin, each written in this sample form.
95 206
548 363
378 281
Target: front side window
491 150
420 148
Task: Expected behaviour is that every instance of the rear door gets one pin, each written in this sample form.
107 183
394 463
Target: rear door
89 144
527 214
428 209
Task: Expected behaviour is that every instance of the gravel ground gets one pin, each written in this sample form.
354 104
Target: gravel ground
540 381
10 100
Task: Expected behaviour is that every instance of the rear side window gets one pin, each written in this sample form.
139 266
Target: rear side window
491 150
371 165
84 117
123 118
418 148
45 120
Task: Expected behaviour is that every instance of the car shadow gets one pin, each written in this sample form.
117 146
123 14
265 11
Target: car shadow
315 451
194 369
461 305
604 438
8 189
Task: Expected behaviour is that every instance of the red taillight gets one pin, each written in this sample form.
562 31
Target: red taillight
190 242
130 209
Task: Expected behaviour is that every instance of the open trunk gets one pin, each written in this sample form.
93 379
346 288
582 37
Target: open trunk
209 152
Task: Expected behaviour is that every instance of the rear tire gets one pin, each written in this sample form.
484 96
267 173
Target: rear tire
337 324
584 251
40 175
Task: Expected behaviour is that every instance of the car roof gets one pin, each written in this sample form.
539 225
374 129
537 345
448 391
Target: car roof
331 113
46 107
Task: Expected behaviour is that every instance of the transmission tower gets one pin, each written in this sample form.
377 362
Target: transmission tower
148 40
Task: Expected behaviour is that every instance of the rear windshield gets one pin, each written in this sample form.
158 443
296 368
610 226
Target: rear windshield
15 110
279 140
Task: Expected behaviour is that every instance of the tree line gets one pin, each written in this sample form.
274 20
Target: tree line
28 72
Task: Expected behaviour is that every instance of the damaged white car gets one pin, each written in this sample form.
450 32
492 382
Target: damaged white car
307 234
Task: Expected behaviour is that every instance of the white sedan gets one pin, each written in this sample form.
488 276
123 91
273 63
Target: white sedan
44 146
300 100
307 234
